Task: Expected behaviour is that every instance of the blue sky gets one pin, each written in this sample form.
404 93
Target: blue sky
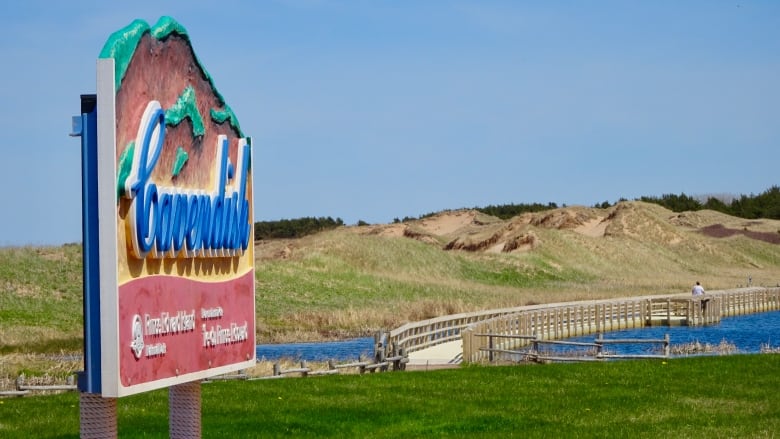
369 110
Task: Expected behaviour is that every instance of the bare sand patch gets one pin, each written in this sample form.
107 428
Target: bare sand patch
447 222
594 228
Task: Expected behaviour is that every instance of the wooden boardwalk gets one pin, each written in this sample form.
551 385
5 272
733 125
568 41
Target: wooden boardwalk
464 335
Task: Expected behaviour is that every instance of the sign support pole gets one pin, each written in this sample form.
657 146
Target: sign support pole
97 415
184 420
97 418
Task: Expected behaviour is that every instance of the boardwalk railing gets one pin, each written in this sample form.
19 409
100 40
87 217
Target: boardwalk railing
556 321
748 301
584 351
415 336
23 388
362 365
581 318
687 311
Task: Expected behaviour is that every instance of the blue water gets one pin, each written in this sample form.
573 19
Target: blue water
335 350
746 332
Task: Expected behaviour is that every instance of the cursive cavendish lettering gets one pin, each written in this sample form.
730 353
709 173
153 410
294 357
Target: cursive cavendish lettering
176 222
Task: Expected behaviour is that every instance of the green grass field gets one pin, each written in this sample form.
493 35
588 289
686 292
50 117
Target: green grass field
712 397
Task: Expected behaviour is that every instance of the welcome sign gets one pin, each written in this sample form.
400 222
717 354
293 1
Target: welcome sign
177 303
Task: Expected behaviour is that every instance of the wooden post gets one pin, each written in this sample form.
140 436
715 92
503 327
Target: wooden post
304 369
690 313
741 308
667 348
551 322
401 365
729 304
668 312
526 323
717 309
536 343
490 347
394 353
600 345
642 313
701 315
467 337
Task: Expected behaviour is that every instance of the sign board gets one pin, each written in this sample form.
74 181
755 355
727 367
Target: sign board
174 174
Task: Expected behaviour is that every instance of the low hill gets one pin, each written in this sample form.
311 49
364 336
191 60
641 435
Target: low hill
356 279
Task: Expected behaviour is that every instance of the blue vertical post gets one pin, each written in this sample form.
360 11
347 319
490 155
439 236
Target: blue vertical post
85 126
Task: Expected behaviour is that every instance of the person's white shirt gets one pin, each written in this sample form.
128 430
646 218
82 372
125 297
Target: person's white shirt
698 290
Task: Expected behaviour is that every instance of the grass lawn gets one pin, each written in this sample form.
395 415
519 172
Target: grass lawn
727 396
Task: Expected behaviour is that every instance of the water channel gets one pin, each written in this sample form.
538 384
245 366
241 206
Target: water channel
344 350
746 332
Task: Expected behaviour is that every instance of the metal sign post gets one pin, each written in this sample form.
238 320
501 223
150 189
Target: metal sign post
98 417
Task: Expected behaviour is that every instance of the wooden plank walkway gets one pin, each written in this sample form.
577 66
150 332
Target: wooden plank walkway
562 320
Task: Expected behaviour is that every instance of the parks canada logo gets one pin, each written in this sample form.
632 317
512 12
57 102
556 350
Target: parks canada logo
137 345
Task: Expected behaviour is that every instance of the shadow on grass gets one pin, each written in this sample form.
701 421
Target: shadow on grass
69 344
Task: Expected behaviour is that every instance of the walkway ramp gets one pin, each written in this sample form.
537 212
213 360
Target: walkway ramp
442 356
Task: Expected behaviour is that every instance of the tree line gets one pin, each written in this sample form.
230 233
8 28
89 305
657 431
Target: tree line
294 228
763 205
506 211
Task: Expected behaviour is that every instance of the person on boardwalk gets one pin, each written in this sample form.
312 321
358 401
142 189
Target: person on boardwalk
698 292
